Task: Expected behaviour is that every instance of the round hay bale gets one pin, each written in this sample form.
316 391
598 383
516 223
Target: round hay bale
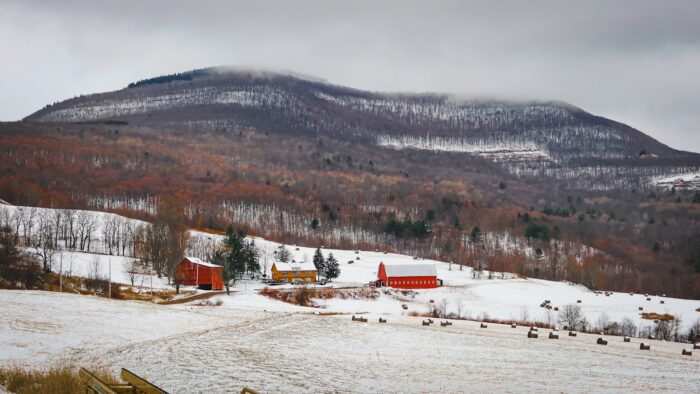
662 302
553 335
430 321
572 333
648 298
687 352
626 339
382 320
696 345
556 308
513 325
432 301
358 257
532 334
443 324
483 325
426 323
601 341
641 308
578 301
644 346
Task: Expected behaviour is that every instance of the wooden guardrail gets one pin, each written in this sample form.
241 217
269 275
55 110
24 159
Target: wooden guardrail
135 384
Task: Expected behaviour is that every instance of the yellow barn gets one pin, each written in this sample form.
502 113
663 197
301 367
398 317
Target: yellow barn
293 272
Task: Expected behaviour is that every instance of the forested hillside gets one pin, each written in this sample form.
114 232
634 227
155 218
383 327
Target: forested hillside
540 189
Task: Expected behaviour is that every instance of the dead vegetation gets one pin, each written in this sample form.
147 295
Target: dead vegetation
62 379
304 296
657 316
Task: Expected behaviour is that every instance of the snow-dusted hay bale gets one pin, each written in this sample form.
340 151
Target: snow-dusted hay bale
648 298
404 306
382 320
533 328
641 308
363 319
431 321
631 294
532 334
662 302
696 345
644 346
626 339
385 252
578 301
572 333
432 301
687 352
553 335
556 308
513 325
426 323
443 324
358 257
601 341
355 318
483 325
357 252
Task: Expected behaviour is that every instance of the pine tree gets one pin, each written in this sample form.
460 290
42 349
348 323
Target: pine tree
252 261
320 263
235 256
332 267
284 255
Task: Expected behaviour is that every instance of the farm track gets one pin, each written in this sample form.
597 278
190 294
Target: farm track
200 296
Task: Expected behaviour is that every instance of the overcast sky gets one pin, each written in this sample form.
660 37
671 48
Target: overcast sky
637 62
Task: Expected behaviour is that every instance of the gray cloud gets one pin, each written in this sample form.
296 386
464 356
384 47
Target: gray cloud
634 61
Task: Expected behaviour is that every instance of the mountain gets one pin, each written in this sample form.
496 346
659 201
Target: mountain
543 189
220 98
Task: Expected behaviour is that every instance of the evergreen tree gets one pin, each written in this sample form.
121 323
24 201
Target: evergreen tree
320 263
235 256
332 267
284 255
315 224
476 235
252 263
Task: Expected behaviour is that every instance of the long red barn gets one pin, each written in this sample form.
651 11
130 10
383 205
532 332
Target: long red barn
194 272
418 275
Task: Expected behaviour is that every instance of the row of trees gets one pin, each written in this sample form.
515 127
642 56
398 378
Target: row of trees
572 318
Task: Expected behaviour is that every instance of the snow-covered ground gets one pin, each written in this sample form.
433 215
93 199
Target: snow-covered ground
510 298
687 180
194 349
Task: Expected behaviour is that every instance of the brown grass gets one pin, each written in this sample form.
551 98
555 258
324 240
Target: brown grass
697 310
62 379
657 316
304 295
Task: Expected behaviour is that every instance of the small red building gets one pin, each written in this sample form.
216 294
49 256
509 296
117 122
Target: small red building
194 272
418 275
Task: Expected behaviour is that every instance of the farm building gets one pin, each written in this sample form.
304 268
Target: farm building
293 272
418 275
194 272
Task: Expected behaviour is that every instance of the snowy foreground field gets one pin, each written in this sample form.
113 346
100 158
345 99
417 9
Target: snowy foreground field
272 346
192 349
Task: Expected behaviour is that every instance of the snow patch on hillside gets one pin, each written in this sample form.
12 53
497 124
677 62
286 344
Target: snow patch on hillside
505 151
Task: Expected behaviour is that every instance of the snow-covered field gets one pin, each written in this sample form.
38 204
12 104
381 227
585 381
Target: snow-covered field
252 340
190 349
